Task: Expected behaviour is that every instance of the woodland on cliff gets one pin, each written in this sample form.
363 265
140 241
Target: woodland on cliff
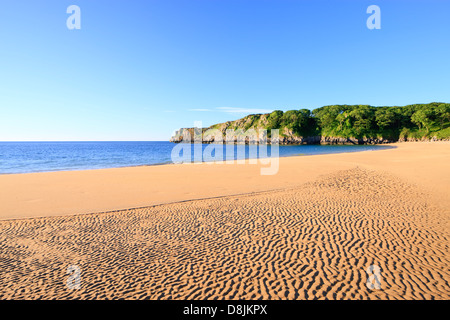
415 121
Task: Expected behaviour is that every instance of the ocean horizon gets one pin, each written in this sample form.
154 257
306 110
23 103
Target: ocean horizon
45 156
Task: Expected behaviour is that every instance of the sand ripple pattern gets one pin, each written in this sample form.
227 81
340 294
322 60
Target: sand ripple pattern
312 242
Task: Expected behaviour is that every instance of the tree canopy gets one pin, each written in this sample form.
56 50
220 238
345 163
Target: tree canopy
357 121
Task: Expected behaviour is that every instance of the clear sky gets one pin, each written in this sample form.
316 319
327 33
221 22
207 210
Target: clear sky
138 70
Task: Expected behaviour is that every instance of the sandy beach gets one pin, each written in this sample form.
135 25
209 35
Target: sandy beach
221 231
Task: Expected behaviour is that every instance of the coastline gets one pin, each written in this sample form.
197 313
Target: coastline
309 232
381 147
59 193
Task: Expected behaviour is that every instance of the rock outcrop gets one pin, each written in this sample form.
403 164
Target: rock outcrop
206 135
298 127
424 139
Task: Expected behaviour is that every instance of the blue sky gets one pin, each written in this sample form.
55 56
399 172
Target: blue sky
138 70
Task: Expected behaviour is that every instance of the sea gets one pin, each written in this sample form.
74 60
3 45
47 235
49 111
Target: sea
27 157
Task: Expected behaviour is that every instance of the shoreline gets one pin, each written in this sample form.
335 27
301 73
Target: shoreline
226 232
383 147
60 193
316 240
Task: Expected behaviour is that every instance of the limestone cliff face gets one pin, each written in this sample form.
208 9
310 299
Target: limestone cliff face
410 139
243 134
183 135
339 140
250 129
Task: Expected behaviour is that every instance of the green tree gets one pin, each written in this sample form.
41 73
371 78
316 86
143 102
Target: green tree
344 122
275 119
443 110
362 119
422 118
326 118
385 117
290 120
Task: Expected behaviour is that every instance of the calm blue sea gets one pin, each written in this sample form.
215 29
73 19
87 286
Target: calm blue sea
24 157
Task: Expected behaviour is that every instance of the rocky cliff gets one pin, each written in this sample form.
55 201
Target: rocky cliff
218 134
330 125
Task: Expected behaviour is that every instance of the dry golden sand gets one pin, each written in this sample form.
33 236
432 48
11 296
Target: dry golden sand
313 239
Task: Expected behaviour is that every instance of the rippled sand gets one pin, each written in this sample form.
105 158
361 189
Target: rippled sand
312 241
